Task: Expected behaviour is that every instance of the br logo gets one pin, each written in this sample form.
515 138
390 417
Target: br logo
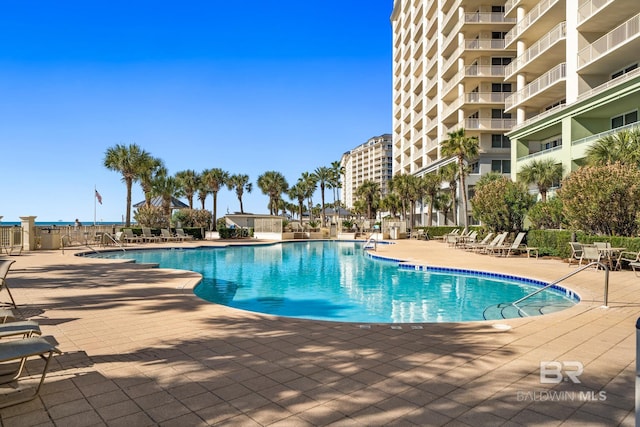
553 372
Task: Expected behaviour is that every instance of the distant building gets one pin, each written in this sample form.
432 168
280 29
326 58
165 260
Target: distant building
370 161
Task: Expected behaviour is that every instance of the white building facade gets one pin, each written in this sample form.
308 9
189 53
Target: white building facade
370 161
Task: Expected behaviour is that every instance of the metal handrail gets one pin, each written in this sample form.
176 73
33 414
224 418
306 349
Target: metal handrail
375 244
115 242
591 264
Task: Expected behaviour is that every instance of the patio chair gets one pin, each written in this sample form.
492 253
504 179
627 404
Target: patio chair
628 257
166 236
576 252
129 237
147 236
5 265
590 253
20 350
180 233
483 243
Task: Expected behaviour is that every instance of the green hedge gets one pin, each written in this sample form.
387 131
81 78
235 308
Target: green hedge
556 242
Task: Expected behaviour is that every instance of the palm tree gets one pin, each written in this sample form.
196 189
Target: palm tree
415 193
150 167
369 192
298 193
449 173
464 148
166 187
203 191
400 185
431 185
337 171
309 184
273 184
622 147
323 176
215 179
127 160
543 173
391 203
240 183
188 181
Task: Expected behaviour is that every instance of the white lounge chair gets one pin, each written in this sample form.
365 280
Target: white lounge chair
165 235
180 233
20 350
5 265
147 236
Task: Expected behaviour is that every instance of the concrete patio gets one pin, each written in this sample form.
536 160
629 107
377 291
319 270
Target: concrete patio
139 349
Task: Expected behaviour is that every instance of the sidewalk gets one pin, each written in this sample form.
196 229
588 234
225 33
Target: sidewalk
140 349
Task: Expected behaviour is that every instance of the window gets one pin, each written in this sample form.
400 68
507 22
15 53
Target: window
499 114
624 71
497 9
471 191
500 87
549 144
501 61
474 168
501 166
498 35
500 141
624 119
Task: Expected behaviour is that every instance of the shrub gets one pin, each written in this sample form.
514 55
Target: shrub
193 218
547 215
603 199
151 216
500 203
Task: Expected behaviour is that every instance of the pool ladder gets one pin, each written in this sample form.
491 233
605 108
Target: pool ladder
504 306
367 244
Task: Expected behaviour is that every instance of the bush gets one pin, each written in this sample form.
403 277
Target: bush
547 215
193 218
151 216
501 204
603 199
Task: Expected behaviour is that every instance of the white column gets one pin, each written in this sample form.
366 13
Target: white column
28 233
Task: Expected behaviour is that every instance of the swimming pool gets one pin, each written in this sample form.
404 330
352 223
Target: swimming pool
338 281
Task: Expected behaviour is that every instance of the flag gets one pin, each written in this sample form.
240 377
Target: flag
99 197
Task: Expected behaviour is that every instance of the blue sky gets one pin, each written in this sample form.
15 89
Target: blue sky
269 85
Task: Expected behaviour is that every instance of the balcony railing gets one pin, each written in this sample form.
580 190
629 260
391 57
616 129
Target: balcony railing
539 153
597 136
548 79
489 124
535 13
590 8
476 98
558 33
474 71
605 44
484 44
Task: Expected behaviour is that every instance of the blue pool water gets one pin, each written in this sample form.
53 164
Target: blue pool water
338 281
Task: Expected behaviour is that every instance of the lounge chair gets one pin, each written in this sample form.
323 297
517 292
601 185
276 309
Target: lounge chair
495 245
166 236
483 243
517 246
26 328
20 350
147 235
129 237
180 233
628 257
5 265
6 315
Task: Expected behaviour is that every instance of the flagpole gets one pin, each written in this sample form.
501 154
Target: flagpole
94 204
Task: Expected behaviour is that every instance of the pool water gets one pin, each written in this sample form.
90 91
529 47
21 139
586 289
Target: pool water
339 281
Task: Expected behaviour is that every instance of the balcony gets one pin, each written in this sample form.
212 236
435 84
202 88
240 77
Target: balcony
618 40
473 71
535 51
490 19
594 15
538 86
502 125
474 98
525 23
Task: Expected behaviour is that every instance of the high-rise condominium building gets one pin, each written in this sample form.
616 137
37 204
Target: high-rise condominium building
533 79
370 161
449 61
576 76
